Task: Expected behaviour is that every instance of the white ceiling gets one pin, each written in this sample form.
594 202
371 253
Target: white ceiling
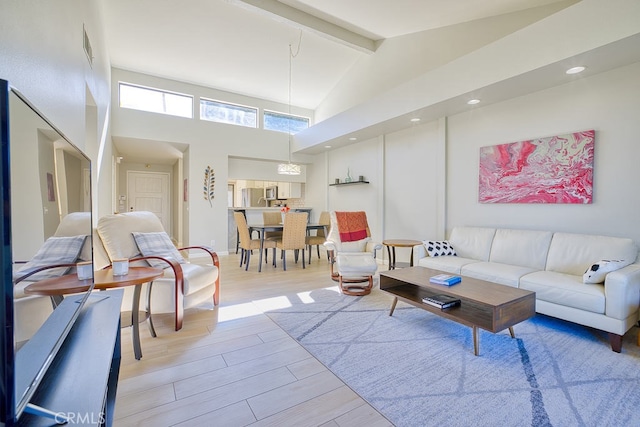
242 46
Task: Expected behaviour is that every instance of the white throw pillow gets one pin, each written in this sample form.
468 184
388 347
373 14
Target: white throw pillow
56 250
438 248
157 244
598 271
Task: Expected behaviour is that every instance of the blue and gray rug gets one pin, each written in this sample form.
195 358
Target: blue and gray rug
419 369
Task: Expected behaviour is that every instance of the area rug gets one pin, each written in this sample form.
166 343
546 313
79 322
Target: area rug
418 369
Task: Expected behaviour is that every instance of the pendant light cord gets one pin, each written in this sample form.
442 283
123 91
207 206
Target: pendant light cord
291 56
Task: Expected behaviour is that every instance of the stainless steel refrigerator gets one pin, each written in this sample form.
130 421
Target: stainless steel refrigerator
252 197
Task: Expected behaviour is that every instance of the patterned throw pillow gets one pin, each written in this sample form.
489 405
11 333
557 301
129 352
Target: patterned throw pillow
56 250
157 244
438 248
597 272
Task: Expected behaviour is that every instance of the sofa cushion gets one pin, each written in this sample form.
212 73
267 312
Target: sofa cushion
574 253
157 244
503 274
565 289
597 272
438 248
472 242
447 263
526 248
196 277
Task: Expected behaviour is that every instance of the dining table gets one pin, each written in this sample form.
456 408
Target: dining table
279 227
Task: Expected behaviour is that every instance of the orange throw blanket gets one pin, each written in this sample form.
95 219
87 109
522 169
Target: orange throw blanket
352 226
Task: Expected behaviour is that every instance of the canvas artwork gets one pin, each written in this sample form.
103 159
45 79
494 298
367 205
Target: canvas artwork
555 169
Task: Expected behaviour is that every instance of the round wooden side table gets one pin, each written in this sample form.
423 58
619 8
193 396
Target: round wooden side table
392 244
57 287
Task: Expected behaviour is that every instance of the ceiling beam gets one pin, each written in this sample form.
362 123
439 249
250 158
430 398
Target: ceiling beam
299 19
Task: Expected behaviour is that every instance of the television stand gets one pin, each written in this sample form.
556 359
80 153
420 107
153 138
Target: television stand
80 385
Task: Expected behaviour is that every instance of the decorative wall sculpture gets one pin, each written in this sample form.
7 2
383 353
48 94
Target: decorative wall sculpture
555 169
209 184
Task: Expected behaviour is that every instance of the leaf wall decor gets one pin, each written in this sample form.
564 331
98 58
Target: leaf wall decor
209 184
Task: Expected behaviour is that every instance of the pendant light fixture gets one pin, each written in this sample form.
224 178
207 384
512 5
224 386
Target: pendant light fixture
290 168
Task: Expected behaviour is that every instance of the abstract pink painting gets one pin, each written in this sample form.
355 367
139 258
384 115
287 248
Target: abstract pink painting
555 169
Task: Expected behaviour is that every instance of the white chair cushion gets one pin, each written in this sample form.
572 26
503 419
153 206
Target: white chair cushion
115 232
356 265
357 246
196 276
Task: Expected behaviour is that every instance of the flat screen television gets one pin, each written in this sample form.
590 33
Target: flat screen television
43 177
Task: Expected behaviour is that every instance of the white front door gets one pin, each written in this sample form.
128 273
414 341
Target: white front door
149 191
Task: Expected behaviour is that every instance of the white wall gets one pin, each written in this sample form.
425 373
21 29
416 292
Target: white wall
41 55
415 203
607 103
210 144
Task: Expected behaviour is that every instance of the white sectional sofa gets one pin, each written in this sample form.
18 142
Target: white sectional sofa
552 265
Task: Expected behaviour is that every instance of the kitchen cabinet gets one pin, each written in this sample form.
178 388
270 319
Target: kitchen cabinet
289 190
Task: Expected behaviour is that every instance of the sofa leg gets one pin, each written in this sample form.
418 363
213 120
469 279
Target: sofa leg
616 342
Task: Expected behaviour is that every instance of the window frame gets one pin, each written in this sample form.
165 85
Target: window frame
266 110
257 111
155 89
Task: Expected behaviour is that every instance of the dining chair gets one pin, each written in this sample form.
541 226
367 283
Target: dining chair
320 237
294 236
271 218
247 244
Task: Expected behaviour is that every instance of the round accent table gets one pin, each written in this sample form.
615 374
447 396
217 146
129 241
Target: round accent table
392 244
104 279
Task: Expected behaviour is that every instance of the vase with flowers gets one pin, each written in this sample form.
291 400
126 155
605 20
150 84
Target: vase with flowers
284 211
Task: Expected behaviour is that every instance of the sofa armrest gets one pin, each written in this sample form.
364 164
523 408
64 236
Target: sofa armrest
419 252
622 292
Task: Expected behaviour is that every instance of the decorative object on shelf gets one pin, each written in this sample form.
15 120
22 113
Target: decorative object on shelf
337 181
290 168
554 169
209 184
348 178
348 183
361 178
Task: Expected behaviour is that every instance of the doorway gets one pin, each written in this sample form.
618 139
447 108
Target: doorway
150 191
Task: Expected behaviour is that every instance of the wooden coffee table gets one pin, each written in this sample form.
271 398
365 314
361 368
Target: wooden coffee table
484 305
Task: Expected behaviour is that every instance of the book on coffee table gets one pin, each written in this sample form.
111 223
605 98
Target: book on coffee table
445 279
441 301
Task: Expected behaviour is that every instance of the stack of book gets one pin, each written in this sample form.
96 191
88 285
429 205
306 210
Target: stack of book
445 279
441 301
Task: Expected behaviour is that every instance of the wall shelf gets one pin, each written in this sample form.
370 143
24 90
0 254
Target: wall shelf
349 183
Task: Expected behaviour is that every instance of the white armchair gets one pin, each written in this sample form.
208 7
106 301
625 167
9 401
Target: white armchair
183 285
350 247
31 311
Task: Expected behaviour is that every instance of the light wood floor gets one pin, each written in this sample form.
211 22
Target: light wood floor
233 366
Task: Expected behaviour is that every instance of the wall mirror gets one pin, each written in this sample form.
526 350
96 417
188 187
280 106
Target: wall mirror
45 178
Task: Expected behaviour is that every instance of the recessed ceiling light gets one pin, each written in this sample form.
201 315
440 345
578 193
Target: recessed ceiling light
575 70
327 146
415 119
353 138
473 101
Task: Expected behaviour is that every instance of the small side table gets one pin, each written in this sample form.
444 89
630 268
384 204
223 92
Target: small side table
104 279
392 244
